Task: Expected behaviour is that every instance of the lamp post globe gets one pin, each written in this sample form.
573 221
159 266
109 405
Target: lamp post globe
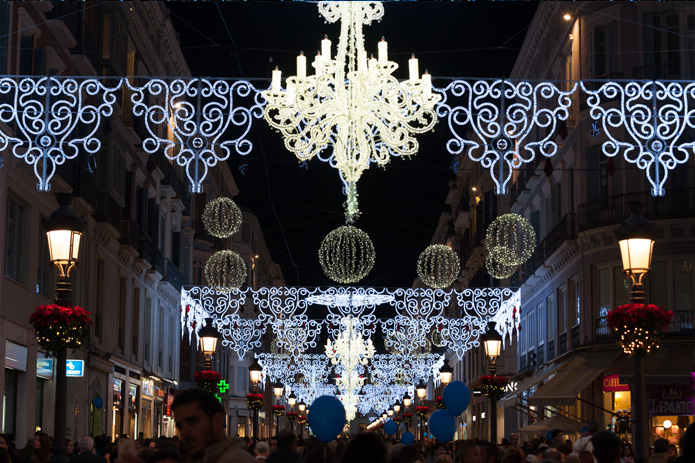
406 400
446 373
301 406
208 336
255 371
421 390
397 407
64 229
277 389
492 341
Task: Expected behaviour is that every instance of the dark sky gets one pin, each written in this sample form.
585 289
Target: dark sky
400 204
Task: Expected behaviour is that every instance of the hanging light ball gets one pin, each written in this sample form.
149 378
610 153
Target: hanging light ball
225 271
347 254
221 217
513 232
438 266
494 265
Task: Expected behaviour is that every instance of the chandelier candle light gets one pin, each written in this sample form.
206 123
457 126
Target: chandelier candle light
351 104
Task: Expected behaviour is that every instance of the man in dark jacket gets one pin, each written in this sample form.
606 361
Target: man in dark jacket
86 452
287 449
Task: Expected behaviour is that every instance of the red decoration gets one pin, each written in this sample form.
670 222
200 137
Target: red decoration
254 401
493 385
60 327
278 410
207 376
638 326
407 417
440 402
421 412
292 416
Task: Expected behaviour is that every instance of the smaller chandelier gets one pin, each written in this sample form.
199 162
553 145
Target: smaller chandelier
347 254
510 241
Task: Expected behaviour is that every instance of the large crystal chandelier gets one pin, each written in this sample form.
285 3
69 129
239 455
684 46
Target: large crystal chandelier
350 353
352 106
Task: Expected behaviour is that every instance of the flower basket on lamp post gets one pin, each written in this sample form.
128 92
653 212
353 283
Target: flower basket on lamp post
278 410
493 386
254 401
207 380
407 417
637 327
421 412
292 417
439 401
60 327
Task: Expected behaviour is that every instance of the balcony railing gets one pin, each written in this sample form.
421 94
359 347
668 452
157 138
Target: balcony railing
610 211
682 324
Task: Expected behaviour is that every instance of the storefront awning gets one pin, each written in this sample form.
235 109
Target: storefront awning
574 377
508 399
566 425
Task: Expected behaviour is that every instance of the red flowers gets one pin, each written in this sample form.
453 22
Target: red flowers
292 416
278 410
421 412
407 417
493 385
638 326
646 316
207 376
254 401
254 397
60 327
440 402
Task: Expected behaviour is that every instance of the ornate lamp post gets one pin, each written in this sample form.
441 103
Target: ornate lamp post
301 406
291 401
208 342
255 371
277 391
492 341
396 410
446 373
636 240
406 404
64 230
421 390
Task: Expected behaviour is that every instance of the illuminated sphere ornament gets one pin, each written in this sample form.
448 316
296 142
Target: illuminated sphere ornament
510 242
225 271
438 266
222 217
347 254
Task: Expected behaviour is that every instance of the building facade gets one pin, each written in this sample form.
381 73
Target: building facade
574 200
133 255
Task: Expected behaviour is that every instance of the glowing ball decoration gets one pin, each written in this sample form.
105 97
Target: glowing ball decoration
438 266
510 241
225 271
222 217
347 254
326 418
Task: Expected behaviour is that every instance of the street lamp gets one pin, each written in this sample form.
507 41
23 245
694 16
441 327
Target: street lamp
636 240
301 406
397 407
389 412
421 390
446 373
492 341
406 400
277 391
255 371
292 400
64 230
208 342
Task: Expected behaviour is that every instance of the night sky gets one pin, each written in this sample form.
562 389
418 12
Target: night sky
400 204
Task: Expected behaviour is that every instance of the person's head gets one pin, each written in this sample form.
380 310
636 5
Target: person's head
586 457
273 444
200 419
366 447
44 446
167 454
572 458
489 452
261 449
627 450
660 446
672 451
606 447
287 441
319 453
514 439
444 458
513 455
85 444
557 436
411 454
552 454
469 452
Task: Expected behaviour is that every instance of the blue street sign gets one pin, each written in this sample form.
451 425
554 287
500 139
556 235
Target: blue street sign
74 368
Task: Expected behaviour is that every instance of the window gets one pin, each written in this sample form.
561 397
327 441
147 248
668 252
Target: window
604 52
241 377
657 284
531 329
30 58
661 46
135 321
122 295
604 291
541 318
683 284
552 324
562 309
577 300
45 273
15 262
613 289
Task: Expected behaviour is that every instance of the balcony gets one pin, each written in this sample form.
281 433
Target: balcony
682 325
670 71
173 275
133 235
611 211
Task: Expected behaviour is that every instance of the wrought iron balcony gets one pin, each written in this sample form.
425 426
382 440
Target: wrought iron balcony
682 325
610 211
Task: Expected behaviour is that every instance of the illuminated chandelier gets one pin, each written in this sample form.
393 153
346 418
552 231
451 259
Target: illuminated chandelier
350 353
351 104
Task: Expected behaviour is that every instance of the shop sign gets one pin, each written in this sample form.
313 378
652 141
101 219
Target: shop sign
132 395
671 400
44 366
147 387
159 392
611 383
74 368
170 400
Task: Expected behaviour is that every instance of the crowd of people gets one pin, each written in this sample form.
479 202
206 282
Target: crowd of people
200 420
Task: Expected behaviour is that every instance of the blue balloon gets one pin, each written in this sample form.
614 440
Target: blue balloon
442 425
326 418
98 402
407 438
456 397
390 428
